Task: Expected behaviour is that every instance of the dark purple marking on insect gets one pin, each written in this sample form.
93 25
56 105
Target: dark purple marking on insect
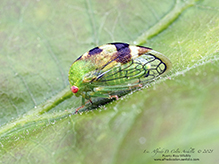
123 54
79 58
145 47
95 51
120 46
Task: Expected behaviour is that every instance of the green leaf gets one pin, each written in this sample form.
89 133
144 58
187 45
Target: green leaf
176 115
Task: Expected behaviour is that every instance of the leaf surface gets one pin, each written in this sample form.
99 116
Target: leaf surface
40 39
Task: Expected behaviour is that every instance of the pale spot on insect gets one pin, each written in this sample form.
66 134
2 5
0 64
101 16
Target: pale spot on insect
141 60
148 66
108 48
134 51
114 96
98 89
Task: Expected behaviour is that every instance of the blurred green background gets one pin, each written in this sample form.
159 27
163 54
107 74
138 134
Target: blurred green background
39 40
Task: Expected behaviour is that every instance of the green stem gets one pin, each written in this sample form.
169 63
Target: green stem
179 7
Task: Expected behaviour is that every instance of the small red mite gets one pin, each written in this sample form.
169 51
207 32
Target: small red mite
74 89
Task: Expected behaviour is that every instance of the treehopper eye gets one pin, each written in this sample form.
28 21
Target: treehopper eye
113 67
